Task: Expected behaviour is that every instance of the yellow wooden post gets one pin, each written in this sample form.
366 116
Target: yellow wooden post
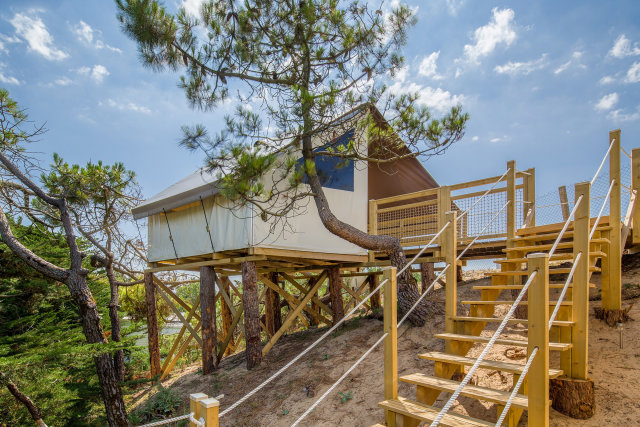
209 409
613 298
511 198
444 206
194 406
373 224
580 312
564 202
538 376
391 341
635 185
450 252
529 196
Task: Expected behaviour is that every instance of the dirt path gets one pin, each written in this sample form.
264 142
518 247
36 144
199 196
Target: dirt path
615 371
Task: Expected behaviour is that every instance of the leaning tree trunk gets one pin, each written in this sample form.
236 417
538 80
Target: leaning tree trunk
34 411
118 356
408 292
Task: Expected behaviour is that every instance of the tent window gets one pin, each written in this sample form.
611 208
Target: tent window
335 172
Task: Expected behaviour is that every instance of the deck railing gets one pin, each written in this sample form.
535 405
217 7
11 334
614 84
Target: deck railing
415 217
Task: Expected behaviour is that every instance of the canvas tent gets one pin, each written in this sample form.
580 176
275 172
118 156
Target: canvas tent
191 219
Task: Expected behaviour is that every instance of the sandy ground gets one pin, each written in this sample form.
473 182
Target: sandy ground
615 371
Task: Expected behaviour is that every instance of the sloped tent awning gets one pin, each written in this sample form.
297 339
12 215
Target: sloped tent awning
190 189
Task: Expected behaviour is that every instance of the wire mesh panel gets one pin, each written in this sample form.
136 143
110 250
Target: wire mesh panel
412 223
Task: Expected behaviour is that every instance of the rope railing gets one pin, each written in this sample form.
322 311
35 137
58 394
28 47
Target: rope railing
482 231
190 417
604 159
564 289
604 204
565 226
484 195
517 386
328 332
484 353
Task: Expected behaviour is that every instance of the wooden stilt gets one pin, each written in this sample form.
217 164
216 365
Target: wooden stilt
253 352
277 307
313 320
427 275
375 298
226 314
152 324
335 288
390 342
208 316
270 309
612 299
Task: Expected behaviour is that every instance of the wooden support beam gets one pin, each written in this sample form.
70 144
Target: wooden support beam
180 316
375 298
335 289
564 202
152 324
511 198
427 275
229 337
450 251
184 346
292 301
322 277
176 342
612 297
580 309
253 353
391 341
444 206
177 299
291 317
355 296
208 316
538 336
226 311
635 185
272 307
529 196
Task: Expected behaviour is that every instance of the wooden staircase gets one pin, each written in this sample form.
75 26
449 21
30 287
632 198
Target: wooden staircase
464 331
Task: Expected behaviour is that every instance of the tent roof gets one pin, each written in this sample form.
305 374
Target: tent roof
200 183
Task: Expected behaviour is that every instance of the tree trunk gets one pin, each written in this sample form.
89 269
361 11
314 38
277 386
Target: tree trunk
335 290
25 400
374 281
152 324
572 397
227 317
427 275
118 356
313 321
253 352
208 318
272 307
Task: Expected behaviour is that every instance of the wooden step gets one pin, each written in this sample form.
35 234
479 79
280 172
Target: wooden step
563 323
550 228
562 270
553 346
429 413
546 247
555 257
506 302
512 368
481 393
516 287
552 236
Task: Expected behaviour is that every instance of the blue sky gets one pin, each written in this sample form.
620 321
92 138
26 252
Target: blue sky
543 82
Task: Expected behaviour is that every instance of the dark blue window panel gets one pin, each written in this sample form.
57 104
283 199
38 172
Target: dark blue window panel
334 172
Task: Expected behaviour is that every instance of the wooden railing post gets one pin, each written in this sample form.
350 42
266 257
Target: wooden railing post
209 409
580 312
391 341
194 406
152 325
511 198
538 376
564 202
444 206
450 252
635 185
529 196
612 298
373 224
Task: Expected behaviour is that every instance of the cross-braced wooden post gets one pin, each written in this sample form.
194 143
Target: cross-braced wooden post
511 198
391 341
450 252
152 324
612 291
538 376
444 206
580 312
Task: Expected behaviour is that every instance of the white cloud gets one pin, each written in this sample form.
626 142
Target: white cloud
622 47
429 66
607 80
97 73
85 34
619 116
64 81
494 140
500 30
454 6
607 102
192 7
435 98
633 74
4 39
575 60
126 106
515 68
475 138
35 33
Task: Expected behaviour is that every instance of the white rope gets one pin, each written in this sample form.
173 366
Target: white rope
507 406
604 159
423 249
604 203
326 334
480 358
172 420
481 231
564 289
483 196
566 225
326 393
